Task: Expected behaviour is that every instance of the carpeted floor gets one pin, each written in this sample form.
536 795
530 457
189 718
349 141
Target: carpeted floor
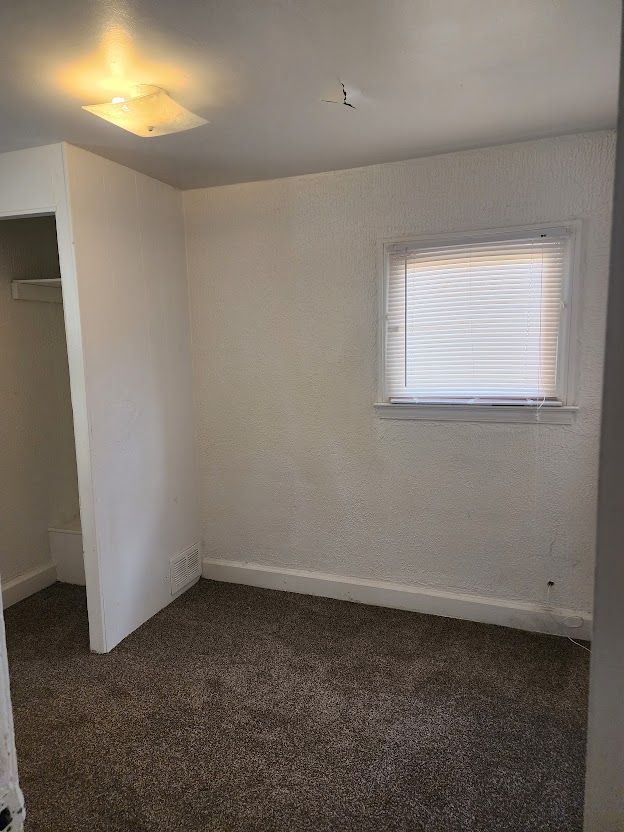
240 709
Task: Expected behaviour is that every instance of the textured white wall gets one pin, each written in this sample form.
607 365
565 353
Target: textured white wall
295 468
38 483
133 304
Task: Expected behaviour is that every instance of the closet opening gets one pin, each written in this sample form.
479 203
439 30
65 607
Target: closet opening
40 534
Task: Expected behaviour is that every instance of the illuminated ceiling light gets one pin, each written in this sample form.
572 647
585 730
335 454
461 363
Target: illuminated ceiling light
151 112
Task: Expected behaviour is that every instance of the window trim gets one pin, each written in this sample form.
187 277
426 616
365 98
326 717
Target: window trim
567 358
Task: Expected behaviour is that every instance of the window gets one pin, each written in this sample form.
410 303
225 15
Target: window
478 321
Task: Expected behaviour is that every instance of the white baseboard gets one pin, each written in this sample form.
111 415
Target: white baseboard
507 613
16 589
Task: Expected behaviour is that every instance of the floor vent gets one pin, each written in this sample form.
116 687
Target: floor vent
185 568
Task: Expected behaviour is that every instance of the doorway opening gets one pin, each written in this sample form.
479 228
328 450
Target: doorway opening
40 537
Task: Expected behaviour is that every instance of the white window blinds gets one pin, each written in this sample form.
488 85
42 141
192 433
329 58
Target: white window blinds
475 321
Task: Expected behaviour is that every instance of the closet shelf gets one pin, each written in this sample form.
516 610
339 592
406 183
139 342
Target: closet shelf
47 290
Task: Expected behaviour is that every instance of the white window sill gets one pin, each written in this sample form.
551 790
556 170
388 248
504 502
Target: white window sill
477 413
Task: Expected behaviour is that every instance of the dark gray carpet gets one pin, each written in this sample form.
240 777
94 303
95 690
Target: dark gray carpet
239 709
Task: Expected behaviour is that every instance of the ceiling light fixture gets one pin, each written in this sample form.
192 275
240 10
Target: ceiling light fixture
150 112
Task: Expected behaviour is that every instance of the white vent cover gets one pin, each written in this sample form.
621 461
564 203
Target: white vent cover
184 569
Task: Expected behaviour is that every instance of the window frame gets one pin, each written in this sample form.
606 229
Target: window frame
567 352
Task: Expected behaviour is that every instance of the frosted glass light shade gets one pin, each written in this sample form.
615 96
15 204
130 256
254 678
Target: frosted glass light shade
150 113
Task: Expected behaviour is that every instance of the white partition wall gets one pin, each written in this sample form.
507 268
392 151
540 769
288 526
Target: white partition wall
123 271
130 262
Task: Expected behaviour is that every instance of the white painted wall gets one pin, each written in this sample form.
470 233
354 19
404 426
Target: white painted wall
10 792
130 263
122 261
296 470
38 484
604 779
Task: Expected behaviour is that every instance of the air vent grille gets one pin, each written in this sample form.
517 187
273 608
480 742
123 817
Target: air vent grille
185 568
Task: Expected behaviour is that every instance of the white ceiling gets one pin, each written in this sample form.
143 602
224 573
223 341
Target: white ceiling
427 76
